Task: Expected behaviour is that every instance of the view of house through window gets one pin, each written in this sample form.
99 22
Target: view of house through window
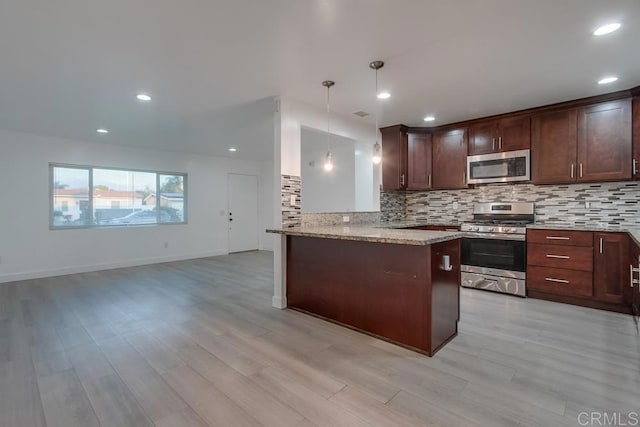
83 196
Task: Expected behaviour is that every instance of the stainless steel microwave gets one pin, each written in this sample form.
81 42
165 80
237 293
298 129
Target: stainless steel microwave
509 166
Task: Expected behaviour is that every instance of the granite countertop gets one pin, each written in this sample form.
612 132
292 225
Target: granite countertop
416 223
371 233
633 231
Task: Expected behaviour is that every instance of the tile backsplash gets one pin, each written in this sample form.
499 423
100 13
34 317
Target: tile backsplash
290 185
597 204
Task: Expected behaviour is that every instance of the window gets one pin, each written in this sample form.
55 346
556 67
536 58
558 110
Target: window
84 196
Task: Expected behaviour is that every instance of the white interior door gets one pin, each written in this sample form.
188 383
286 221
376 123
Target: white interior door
242 193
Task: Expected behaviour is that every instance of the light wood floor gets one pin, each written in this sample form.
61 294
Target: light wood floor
196 343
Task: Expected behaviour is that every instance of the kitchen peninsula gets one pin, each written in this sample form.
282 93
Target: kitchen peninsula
399 285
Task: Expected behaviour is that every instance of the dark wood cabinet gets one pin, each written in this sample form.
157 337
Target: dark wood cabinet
554 144
604 141
482 138
401 293
581 268
514 133
394 158
586 144
450 159
509 134
636 138
611 270
634 262
419 162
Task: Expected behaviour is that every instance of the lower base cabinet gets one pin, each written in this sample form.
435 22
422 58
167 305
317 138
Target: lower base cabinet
580 267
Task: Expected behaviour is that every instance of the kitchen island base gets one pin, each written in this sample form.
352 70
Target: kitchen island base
406 294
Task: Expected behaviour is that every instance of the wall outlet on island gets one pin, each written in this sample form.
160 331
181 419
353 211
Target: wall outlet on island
455 206
345 218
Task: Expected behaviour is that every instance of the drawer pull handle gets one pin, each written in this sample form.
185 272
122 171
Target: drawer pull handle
559 256
549 279
557 238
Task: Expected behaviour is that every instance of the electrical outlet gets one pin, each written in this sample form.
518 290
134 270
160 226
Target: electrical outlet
587 204
345 218
456 206
292 200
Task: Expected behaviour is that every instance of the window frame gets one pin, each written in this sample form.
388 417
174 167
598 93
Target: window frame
89 169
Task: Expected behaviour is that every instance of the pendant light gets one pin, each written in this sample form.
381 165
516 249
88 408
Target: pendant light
377 148
328 161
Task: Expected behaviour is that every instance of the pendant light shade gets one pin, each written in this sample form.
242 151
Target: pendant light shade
328 160
377 148
377 152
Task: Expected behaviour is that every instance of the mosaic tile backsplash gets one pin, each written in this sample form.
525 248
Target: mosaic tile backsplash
291 185
600 204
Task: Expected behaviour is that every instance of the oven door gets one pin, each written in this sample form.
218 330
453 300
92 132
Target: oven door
510 255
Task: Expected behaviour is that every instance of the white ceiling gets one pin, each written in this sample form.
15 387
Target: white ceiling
71 66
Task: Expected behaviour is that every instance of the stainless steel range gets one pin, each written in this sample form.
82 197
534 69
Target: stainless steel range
494 250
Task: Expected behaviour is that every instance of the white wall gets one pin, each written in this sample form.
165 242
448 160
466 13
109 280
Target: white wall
294 114
324 191
29 249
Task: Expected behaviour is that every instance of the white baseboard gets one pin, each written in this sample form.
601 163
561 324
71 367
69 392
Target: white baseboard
13 277
279 302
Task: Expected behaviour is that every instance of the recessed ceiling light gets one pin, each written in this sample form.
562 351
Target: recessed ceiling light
429 119
101 130
606 29
607 80
232 149
143 97
384 95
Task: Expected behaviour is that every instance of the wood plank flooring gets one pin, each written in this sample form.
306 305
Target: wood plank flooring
196 343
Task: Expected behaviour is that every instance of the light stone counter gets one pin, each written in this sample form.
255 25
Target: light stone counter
371 233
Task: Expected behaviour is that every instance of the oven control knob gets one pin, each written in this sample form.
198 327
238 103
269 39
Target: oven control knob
475 228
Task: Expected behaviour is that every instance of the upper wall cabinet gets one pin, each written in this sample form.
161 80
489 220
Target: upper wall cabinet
586 144
508 134
450 159
419 162
394 158
554 144
604 141
636 138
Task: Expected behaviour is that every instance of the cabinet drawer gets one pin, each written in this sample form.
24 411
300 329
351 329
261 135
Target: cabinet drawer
559 281
560 237
555 256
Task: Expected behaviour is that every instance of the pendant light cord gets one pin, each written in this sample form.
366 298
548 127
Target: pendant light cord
377 109
328 118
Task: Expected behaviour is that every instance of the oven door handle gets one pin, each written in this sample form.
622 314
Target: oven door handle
494 236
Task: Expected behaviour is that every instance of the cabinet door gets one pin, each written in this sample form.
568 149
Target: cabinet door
419 162
636 137
450 159
604 141
514 134
611 269
635 290
394 158
553 147
482 139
